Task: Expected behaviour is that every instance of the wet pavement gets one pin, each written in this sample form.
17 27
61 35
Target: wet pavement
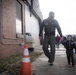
60 67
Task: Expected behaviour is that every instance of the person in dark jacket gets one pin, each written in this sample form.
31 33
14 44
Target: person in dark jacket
69 45
49 25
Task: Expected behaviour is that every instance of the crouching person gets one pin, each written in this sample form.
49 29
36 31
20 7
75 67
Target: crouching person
69 45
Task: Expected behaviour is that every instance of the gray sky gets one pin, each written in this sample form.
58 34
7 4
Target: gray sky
65 13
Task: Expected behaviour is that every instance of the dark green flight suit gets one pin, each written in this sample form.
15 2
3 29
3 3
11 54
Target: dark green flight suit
49 37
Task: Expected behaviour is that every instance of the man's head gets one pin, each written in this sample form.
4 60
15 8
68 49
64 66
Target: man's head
51 15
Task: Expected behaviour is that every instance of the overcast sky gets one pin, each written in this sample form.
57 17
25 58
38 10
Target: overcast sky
65 13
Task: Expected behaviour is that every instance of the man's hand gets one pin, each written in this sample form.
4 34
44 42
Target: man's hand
61 39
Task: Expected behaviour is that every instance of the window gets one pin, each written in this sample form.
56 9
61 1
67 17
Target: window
18 17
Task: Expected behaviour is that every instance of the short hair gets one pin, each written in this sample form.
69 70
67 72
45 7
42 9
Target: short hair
70 36
51 12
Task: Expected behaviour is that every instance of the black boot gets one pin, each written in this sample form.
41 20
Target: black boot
73 64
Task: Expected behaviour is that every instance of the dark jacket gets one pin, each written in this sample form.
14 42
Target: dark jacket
69 45
49 27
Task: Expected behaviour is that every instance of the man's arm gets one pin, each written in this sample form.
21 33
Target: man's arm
41 29
58 29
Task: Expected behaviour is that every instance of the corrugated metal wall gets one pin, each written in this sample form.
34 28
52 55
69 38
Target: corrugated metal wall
32 25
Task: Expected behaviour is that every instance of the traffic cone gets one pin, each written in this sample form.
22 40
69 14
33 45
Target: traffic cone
25 67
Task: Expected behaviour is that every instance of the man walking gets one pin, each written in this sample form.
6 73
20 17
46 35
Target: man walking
49 25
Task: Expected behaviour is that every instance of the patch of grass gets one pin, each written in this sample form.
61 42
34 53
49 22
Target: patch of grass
13 63
35 55
6 63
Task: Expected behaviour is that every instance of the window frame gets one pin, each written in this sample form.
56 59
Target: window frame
21 18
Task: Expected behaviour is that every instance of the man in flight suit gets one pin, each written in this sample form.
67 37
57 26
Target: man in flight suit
49 25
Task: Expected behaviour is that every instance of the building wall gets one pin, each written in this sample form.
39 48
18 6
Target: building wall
36 8
32 25
28 19
35 30
0 21
9 18
9 44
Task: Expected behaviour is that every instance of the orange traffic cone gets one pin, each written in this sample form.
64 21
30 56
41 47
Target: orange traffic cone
25 67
